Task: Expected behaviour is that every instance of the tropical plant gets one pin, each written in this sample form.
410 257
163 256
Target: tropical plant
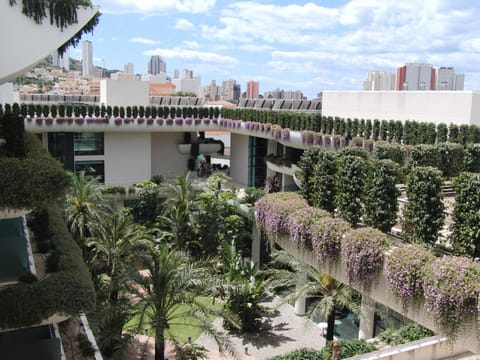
84 202
404 334
114 237
177 209
172 280
299 281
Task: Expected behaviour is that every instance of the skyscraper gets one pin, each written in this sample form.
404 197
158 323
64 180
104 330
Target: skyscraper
87 57
447 79
380 80
227 89
416 77
62 61
252 89
156 65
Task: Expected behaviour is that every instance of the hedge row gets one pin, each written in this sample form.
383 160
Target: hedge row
67 292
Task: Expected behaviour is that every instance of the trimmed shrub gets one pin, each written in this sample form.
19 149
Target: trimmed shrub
465 228
424 213
350 187
471 160
381 203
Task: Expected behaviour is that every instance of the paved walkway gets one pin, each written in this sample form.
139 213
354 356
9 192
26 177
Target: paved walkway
287 332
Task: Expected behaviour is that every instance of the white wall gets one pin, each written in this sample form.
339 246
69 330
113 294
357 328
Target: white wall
6 93
239 159
458 107
124 93
25 43
166 158
127 158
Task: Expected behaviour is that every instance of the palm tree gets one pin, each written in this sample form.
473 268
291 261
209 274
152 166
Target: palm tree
172 281
84 201
114 239
177 213
301 281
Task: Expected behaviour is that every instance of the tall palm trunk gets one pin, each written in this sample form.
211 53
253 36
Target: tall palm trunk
159 342
330 324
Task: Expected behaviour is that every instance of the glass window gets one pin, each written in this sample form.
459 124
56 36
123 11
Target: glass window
94 168
88 143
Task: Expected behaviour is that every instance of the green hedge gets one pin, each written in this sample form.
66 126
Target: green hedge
66 292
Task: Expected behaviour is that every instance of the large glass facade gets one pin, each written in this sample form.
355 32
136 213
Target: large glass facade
257 169
95 168
88 144
60 146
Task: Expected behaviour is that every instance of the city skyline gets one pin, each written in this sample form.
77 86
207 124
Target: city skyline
326 45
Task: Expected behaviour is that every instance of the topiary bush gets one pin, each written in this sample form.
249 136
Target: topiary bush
423 216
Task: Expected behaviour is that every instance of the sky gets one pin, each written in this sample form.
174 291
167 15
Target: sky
291 45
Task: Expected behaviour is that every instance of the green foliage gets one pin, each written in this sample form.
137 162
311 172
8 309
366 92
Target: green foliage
30 182
394 152
67 291
424 213
465 235
472 158
252 194
324 182
27 278
450 159
348 348
301 354
453 133
85 346
404 334
350 187
442 133
425 155
381 203
309 159
12 130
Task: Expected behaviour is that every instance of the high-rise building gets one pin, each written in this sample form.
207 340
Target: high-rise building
176 74
87 57
380 80
128 68
416 77
228 89
447 79
156 65
61 60
252 90
237 92
213 90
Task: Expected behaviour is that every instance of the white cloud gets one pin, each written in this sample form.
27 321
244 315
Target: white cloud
191 44
141 40
184 24
148 7
186 54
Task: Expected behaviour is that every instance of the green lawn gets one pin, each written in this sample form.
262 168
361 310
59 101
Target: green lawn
182 327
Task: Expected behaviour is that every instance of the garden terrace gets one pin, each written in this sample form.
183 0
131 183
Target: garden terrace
59 295
363 258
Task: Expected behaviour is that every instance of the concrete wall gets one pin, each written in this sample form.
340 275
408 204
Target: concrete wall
25 43
467 334
166 158
124 93
239 159
127 158
458 107
6 94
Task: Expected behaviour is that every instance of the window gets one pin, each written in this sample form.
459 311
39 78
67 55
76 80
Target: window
88 144
95 168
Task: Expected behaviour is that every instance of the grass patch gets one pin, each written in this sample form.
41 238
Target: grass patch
182 325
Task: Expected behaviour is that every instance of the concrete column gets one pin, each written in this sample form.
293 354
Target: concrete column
301 302
256 244
367 318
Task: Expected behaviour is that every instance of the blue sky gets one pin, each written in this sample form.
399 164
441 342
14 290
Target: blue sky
293 45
